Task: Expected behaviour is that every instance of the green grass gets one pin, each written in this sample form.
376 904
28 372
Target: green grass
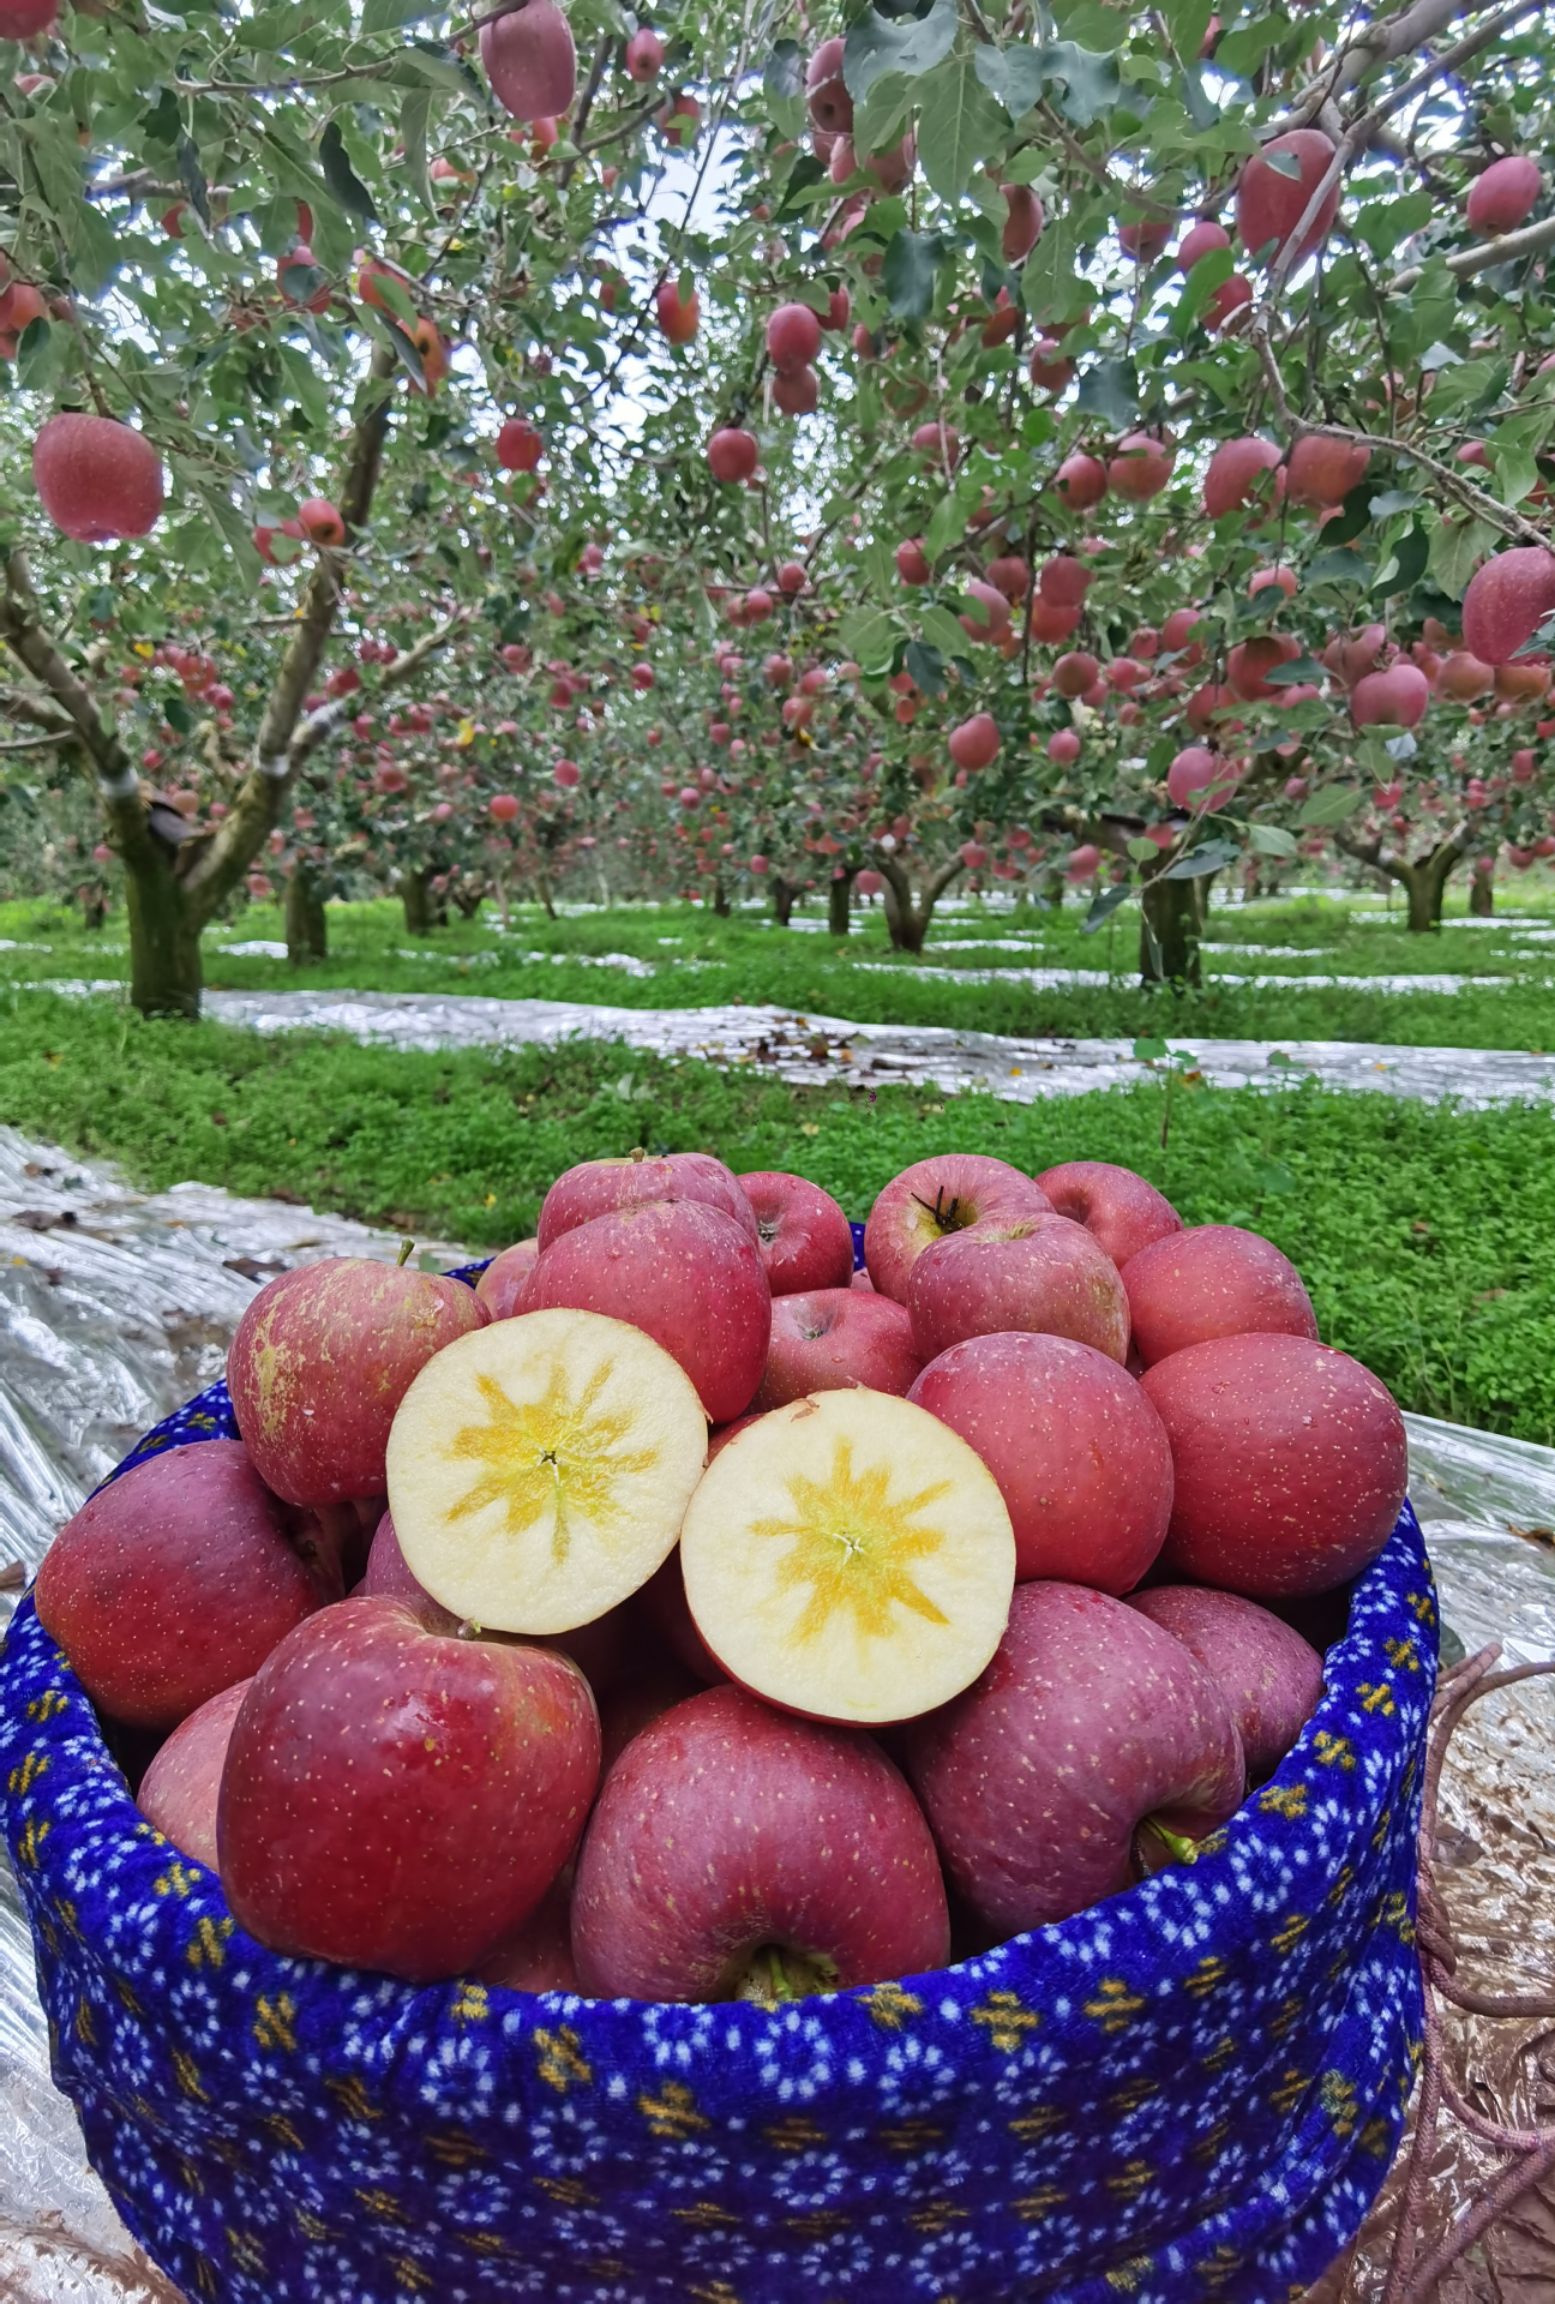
1424 1233
700 961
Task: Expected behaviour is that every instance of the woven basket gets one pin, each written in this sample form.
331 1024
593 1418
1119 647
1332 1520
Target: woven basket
1190 2092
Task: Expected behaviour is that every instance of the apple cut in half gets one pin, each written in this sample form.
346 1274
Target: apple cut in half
850 1558
540 1479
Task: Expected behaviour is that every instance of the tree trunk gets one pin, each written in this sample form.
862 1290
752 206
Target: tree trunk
1201 888
94 909
469 901
166 976
543 883
839 904
307 931
721 904
905 925
1425 884
1169 934
416 897
1482 896
783 894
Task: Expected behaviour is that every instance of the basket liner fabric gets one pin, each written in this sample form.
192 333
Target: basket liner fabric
1190 2092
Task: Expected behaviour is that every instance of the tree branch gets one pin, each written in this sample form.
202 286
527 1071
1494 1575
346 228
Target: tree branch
1532 240
325 721
1378 46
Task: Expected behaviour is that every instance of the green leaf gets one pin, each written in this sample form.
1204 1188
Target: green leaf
926 668
1197 101
947 526
1516 469
1092 24
192 177
1110 389
394 15
1142 851
881 120
41 355
1272 840
1392 500
869 636
1469 384
912 263
415 119
1106 904
1091 84
1050 285
1405 564
1457 548
1210 273
958 125
911 45
942 631
1209 856
1016 77
342 178
782 81
1290 675
1330 804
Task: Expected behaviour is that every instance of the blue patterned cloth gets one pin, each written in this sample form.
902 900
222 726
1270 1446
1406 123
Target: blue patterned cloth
1191 2092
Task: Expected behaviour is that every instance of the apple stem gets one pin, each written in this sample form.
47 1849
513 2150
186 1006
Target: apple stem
407 1250
1178 1846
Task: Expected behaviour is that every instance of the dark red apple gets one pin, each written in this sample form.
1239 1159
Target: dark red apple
687 1275
538 1958
178 1579
179 1791
1289 1459
1041 1273
1080 1455
1213 1280
737 1852
806 1240
400 1800
1272 1678
1123 1212
1050 1782
833 1337
321 1360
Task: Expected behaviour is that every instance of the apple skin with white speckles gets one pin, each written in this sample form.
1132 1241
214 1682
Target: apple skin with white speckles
1081 1457
935 1199
179 1791
1212 1280
1123 1212
399 1800
830 1338
1089 1721
601 1187
687 1274
1290 1463
1272 1676
179 1578
1043 1274
806 1240
504 1284
725 1828
321 1360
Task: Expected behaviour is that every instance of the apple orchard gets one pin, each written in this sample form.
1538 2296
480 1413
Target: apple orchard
730 452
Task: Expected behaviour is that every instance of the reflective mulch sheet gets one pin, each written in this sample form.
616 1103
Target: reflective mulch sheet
116 1305
810 1049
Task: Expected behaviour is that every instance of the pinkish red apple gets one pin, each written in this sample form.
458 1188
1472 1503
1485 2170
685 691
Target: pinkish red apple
934 1198
1212 1280
1038 1273
829 1338
1122 1212
1271 1677
180 1789
805 1239
597 1187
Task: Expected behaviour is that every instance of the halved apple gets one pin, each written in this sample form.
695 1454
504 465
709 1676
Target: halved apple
849 1557
537 1481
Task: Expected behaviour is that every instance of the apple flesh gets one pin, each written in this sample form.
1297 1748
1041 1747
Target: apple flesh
176 1580
738 1854
1081 1457
1271 1677
1050 1783
936 1197
322 1359
1122 1212
806 1241
398 1800
540 1469
180 1789
1039 1273
504 1285
687 1275
1213 1280
601 1187
1289 1462
834 1337
850 1558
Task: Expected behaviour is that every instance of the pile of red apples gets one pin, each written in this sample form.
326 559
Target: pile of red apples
681 1615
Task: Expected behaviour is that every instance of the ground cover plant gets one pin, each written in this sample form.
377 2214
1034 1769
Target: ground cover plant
1422 1232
